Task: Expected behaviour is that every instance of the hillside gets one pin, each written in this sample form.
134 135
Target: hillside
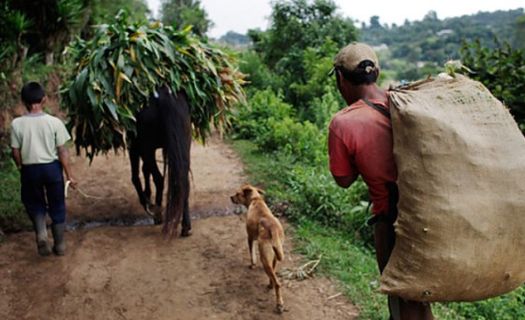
434 40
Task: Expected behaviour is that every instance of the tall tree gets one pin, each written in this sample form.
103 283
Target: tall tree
104 11
519 37
296 26
182 13
53 23
299 24
13 25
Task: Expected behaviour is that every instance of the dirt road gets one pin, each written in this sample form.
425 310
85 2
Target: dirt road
131 272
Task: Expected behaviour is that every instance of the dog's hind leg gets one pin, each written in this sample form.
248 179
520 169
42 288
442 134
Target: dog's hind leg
253 258
279 308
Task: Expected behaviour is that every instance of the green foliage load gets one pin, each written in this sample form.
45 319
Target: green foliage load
116 71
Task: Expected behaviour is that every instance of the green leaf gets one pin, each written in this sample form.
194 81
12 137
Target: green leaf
112 107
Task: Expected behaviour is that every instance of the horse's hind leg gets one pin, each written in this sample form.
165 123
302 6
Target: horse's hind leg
134 158
147 183
150 168
158 179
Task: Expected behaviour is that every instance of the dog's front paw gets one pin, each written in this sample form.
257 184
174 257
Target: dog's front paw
279 309
251 266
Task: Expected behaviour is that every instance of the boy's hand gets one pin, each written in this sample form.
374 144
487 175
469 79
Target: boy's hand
73 182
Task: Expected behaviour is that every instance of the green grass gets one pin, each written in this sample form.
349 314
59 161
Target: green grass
12 212
354 266
263 170
346 259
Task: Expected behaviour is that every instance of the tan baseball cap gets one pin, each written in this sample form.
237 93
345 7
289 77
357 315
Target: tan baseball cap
353 54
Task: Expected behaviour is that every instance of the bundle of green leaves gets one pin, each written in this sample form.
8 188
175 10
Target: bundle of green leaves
116 71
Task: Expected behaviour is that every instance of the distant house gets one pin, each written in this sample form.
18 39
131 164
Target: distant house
235 40
444 32
381 47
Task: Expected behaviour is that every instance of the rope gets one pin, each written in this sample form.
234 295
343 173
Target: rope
85 195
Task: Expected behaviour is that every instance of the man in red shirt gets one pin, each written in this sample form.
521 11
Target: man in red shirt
360 143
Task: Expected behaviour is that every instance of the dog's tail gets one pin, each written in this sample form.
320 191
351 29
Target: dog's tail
277 244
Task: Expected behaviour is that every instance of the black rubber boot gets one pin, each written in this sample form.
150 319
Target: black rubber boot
39 223
59 246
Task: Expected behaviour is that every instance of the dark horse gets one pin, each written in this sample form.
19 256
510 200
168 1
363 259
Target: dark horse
164 123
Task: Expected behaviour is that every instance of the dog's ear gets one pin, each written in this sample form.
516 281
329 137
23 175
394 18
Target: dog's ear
247 192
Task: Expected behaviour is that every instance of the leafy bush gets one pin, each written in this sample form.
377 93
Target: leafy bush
259 75
507 307
322 109
302 141
317 64
315 196
252 119
502 71
271 124
12 213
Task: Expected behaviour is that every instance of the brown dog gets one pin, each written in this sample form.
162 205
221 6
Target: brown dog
262 226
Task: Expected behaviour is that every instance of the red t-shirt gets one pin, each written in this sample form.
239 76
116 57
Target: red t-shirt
360 142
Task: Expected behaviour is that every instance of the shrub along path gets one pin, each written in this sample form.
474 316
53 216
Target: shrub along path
130 272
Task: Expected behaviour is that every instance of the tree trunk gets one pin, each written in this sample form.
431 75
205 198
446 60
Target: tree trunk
49 58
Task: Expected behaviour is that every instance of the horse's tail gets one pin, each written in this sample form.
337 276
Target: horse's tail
175 113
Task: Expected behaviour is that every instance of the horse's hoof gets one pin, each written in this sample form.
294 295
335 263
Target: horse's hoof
279 309
185 233
148 208
156 214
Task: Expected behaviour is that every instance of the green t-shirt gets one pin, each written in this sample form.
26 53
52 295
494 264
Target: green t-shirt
38 136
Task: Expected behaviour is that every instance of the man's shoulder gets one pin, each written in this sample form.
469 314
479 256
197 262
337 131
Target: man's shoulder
350 113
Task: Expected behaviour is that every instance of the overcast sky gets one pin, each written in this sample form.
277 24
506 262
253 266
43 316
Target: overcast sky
241 15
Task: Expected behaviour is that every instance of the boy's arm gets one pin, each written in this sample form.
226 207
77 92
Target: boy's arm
63 157
17 157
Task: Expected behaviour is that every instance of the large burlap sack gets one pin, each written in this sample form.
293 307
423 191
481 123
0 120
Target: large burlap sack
461 224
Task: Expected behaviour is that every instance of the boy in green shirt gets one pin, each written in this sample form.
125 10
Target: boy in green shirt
38 145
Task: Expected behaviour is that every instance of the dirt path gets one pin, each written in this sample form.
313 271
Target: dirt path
130 272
